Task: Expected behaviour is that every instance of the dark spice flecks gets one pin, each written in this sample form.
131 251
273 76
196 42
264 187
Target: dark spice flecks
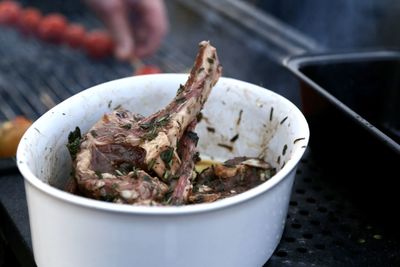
233 139
271 113
284 150
298 139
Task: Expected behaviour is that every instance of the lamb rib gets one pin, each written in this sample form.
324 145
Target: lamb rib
128 158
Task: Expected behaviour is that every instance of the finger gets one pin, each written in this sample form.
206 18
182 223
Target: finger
151 26
114 14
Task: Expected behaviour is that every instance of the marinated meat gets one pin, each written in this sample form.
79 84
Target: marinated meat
129 158
230 178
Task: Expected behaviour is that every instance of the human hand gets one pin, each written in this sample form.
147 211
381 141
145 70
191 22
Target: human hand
137 26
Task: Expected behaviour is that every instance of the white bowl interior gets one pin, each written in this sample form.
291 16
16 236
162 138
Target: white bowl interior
267 125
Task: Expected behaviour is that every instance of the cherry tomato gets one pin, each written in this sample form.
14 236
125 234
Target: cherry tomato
9 12
10 135
98 44
75 35
29 20
147 69
52 28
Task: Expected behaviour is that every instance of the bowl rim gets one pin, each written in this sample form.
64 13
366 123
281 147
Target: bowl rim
63 196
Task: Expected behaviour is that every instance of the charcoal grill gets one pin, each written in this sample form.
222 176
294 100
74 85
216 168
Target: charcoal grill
324 227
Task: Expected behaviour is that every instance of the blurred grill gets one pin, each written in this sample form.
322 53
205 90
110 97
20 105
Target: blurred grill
323 229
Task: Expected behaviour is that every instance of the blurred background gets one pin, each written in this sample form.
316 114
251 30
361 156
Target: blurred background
254 39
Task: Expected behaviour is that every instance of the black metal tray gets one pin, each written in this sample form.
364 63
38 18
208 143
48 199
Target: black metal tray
351 101
324 227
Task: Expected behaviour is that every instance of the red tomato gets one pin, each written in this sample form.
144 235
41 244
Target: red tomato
75 35
30 19
147 69
52 28
10 135
98 44
9 12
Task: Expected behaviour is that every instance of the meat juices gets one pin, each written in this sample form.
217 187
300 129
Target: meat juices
128 158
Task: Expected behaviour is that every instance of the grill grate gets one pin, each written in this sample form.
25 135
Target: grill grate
323 228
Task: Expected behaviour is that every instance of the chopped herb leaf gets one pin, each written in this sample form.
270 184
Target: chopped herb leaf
93 133
284 119
118 172
127 126
230 148
150 165
166 175
147 178
298 139
271 113
162 121
284 150
211 129
146 125
233 139
199 117
180 89
180 100
74 141
167 154
99 174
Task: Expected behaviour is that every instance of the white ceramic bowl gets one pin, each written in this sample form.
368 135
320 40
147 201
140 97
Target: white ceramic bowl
243 230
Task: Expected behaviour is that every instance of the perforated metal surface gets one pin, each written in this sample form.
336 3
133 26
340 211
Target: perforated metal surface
324 227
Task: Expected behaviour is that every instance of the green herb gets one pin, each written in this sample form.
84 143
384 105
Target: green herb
284 150
118 172
211 129
151 135
271 113
240 117
150 165
93 133
298 139
230 148
153 127
180 89
233 139
199 117
147 178
145 125
284 119
180 100
99 174
162 121
166 175
167 154
114 186
74 141
134 170
127 126
107 198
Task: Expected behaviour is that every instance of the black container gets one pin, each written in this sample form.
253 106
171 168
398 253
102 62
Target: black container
352 104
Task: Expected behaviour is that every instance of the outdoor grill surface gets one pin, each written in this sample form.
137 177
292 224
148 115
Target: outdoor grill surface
324 227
